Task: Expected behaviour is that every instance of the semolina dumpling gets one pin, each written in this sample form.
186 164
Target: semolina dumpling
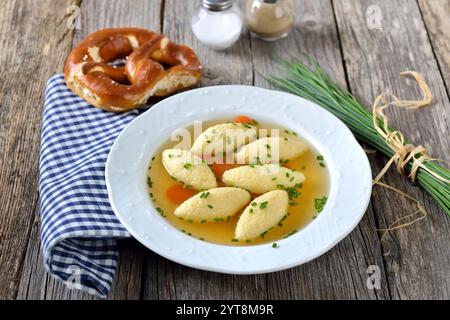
216 197
188 169
262 214
270 149
213 205
262 178
225 137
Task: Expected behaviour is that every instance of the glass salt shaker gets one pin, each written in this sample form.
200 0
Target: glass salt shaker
269 20
217 24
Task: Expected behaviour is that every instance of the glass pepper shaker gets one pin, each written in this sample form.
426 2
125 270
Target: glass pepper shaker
269 20
217 23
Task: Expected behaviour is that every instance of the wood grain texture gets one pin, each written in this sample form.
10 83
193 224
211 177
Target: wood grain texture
232 66
340 273
33 281
416 258
436 15
414 262
94 15
29 54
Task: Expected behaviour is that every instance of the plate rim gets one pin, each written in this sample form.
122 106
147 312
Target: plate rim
147 243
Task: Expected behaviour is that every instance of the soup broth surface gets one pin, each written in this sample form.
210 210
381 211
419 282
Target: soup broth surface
313 195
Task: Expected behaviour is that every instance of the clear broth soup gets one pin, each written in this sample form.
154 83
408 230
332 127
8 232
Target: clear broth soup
313 195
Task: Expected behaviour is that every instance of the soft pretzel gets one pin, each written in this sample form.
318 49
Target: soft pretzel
112 88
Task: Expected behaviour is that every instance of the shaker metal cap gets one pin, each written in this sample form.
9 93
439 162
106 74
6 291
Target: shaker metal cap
216 5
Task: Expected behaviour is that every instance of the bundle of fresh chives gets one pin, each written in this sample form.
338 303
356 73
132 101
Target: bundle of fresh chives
314 84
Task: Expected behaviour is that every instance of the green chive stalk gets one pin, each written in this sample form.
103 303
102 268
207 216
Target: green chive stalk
312 83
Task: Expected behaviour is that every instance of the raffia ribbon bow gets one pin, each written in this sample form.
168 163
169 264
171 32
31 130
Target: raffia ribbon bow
403 153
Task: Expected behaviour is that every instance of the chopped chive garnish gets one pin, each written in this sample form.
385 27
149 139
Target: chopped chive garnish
251 210
253 204
153 158
234 240
320 158
187 165
263 205
149 182
190 221
322 164
248 241
319 203
161 212
203 221
290 234
280 223
204 195
274 245
210 206
274 178
293 194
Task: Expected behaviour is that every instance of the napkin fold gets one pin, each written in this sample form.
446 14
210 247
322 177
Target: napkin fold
78 227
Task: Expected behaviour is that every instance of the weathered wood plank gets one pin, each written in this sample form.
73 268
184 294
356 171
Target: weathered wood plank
436 15
174 281
33 280
341 273
33 45
127 284
35 283
99 14
417 259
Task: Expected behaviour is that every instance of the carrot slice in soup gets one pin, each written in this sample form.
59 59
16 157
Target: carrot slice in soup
177 194
243 119
220 168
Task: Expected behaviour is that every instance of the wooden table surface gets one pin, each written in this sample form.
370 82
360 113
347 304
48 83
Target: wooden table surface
414 35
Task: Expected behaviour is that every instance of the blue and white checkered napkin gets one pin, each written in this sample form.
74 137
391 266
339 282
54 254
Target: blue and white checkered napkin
78 227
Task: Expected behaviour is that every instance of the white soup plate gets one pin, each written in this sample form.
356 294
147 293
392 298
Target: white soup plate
350 175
